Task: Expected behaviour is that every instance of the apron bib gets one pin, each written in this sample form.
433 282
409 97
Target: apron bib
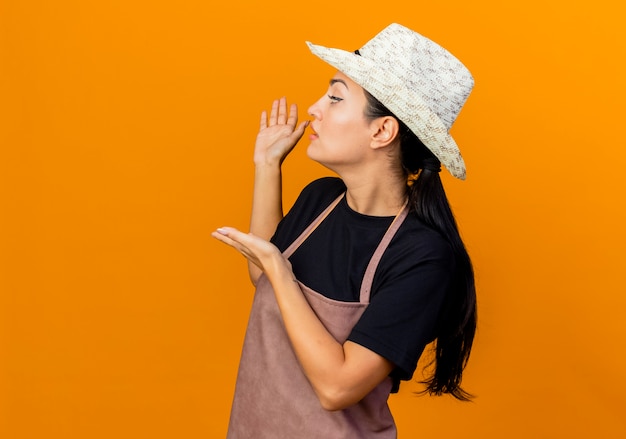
273 398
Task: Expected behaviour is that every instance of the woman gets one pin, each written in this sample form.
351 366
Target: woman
366 269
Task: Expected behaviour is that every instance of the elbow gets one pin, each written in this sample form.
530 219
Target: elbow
333 407
254 273
335 399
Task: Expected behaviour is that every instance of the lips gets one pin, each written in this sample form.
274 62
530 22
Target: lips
314 134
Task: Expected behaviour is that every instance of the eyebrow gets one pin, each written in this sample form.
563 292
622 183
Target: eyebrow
334 81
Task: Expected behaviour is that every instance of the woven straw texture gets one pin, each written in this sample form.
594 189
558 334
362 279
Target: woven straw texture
422 83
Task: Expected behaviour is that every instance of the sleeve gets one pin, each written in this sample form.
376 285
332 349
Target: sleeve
403 311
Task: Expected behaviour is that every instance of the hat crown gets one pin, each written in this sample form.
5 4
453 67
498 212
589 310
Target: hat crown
439 78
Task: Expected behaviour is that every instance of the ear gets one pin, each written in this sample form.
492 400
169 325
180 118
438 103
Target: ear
384 131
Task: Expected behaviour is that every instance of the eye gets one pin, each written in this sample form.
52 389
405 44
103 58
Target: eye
334 99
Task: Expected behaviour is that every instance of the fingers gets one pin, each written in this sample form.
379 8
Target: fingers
235 238
263 123
299 131
279 114
255 249
222 234
282 111
293 115
274 113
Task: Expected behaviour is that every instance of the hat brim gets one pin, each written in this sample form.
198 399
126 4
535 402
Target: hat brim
404 102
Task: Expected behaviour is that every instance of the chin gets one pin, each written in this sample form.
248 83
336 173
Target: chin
310 152
317 156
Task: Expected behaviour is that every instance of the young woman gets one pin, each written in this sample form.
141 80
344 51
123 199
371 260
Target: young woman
366 269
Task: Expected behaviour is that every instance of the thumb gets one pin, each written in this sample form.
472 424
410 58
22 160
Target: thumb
299 131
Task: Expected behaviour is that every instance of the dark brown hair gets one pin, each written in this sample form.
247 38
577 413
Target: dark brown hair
456 324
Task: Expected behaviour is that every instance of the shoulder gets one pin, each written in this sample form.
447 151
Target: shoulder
418 263
417 243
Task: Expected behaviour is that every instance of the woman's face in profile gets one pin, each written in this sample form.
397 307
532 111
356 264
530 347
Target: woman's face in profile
341 132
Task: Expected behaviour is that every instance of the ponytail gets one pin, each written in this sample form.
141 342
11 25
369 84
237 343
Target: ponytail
457 319
454 333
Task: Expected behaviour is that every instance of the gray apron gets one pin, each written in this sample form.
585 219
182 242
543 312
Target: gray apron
273 398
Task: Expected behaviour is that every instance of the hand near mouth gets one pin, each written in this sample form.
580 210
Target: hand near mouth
278 135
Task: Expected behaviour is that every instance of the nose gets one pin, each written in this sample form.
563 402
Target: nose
315 110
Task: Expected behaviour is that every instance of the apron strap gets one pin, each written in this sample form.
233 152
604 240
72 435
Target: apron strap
368 278
316 222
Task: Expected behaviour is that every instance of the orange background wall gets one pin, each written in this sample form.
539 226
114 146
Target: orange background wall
126 132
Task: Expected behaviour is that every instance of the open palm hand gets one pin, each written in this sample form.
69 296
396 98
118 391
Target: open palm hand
279 134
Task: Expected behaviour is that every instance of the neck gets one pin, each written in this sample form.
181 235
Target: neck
383 196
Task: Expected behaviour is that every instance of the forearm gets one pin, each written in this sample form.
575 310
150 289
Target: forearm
319 353
267 206
341 374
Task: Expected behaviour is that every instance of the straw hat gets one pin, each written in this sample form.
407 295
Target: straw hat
422 83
